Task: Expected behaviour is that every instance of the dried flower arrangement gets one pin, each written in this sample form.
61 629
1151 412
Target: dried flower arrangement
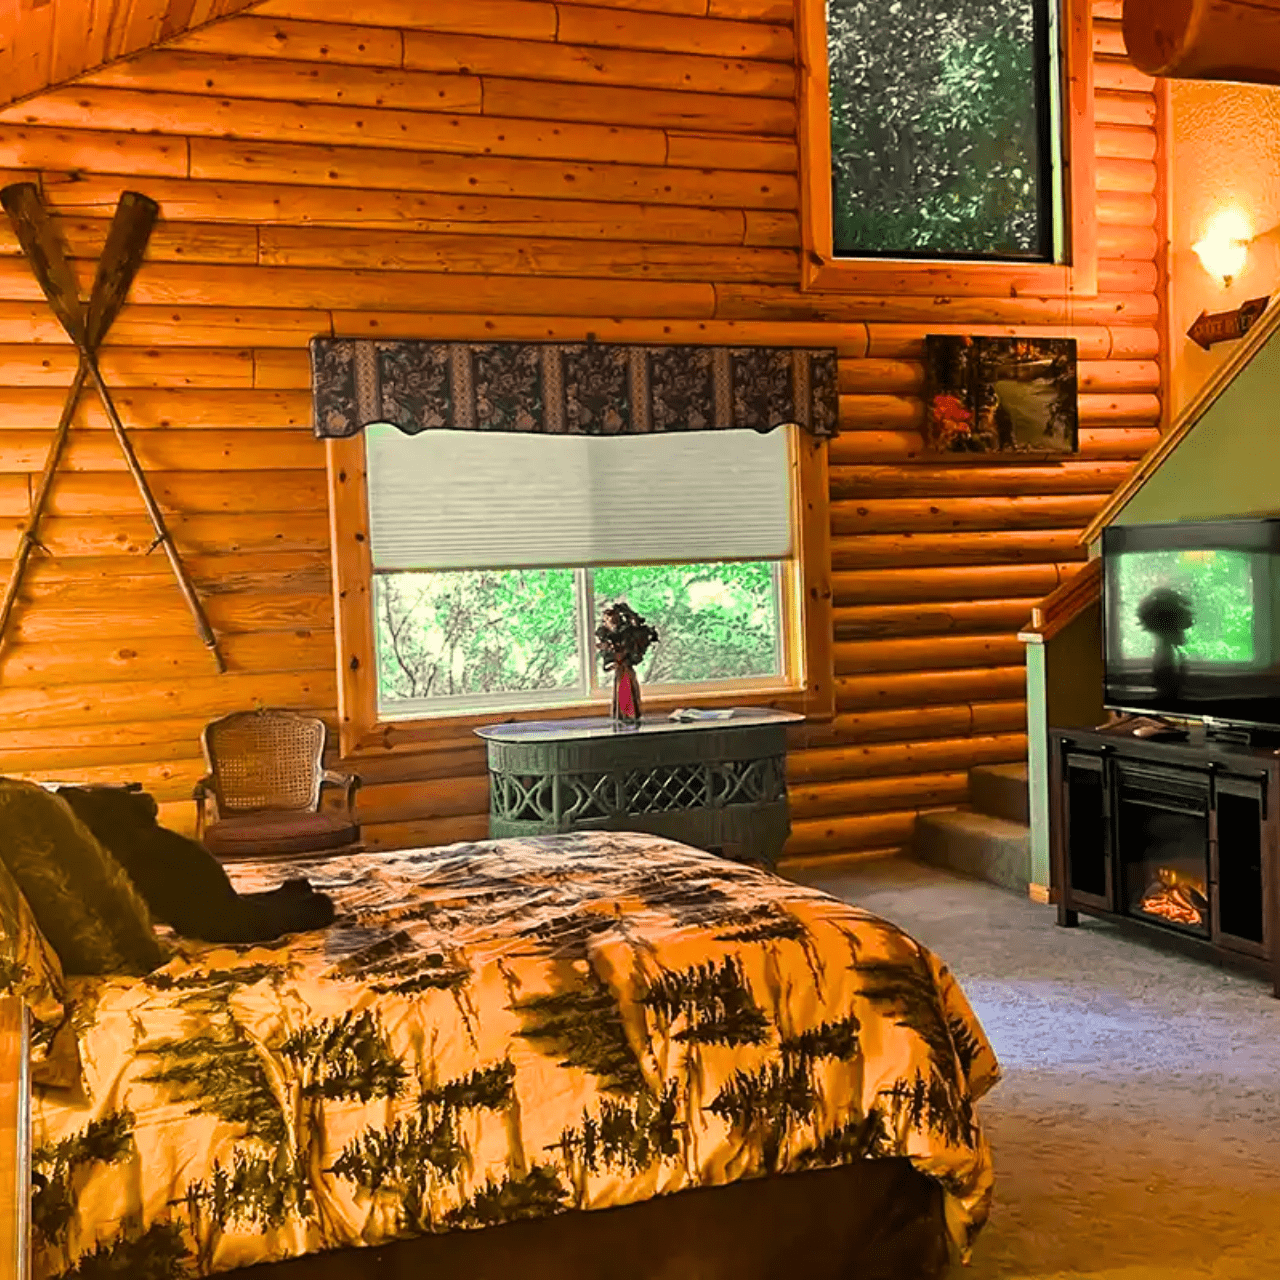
622 640
623 637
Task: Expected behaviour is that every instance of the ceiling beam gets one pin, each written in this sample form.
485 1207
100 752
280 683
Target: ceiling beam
45 43
1205 39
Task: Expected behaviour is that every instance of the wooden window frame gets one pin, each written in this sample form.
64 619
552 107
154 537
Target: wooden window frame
362 734
821 269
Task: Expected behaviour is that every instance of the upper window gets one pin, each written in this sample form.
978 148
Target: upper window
947 145
945 140
494 555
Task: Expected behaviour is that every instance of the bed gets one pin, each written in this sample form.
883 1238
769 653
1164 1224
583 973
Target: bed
516 1035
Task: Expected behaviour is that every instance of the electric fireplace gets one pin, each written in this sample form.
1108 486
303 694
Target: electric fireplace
1180 838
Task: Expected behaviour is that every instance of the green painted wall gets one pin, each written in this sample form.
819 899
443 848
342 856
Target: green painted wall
1038 763
1229 463
1064 691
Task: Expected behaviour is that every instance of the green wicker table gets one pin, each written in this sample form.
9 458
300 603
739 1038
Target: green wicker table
715 784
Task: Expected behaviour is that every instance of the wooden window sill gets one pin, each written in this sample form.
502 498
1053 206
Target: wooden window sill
884 277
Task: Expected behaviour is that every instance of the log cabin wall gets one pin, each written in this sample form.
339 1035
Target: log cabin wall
516 168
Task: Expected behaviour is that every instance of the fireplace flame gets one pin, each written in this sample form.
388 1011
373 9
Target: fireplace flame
1175 897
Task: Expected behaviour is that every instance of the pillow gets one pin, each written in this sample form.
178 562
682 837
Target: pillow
29 969
82 899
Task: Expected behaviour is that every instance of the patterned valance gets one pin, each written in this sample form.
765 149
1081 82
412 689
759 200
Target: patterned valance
589 388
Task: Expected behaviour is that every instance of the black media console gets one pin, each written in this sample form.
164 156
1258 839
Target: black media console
1182 837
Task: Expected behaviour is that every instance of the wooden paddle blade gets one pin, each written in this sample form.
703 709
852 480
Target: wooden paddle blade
43 250
135 216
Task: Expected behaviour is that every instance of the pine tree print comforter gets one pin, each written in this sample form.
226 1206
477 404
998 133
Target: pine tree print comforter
495 1031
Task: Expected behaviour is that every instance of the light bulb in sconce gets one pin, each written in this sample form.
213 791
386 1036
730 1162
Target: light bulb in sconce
1225 245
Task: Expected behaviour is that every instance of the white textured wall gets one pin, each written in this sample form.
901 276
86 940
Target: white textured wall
1225 149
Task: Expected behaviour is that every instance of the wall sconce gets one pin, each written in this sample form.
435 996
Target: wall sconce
1224 247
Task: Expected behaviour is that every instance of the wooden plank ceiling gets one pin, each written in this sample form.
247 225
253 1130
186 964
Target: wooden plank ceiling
49 42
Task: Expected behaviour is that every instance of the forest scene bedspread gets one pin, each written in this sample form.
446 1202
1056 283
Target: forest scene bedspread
495 1031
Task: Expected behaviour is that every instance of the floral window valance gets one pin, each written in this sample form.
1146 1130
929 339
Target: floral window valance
591 388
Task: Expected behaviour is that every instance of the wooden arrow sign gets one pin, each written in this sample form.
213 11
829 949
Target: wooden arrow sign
1225 325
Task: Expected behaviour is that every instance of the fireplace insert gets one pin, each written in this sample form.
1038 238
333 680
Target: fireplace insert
1162 843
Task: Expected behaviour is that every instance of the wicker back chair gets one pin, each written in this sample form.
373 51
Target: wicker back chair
261 797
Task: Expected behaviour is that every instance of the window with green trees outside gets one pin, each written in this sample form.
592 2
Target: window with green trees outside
946 130
495 555
515 637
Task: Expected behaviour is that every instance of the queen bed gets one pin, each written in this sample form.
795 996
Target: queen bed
747 1076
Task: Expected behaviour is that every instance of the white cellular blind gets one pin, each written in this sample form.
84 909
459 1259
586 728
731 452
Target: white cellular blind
481 500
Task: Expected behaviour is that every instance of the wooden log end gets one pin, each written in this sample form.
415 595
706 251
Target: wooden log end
1205 39
1156 33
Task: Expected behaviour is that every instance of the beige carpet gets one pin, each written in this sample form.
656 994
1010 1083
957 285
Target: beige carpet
1136 1133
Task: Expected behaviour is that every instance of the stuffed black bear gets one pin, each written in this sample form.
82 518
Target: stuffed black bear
182 882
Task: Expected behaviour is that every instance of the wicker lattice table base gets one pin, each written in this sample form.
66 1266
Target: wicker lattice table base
717 785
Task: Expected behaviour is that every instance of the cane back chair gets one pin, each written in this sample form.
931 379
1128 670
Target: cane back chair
261 797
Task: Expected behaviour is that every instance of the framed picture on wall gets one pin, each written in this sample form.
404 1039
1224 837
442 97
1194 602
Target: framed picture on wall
1015 398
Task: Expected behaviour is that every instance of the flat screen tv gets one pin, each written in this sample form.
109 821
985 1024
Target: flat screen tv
1190 620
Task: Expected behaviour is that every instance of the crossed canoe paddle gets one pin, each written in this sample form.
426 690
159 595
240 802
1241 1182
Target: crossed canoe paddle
121 257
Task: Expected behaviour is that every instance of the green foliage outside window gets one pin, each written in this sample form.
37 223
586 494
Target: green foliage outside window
478 631
715 621
937 116
1218 585
499 634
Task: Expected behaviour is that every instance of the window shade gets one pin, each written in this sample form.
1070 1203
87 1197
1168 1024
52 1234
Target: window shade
478 500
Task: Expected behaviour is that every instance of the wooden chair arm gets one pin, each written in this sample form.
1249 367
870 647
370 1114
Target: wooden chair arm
203 793
349 782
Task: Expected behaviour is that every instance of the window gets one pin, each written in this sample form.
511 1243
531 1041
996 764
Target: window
948 144
942 138
489 558
519 638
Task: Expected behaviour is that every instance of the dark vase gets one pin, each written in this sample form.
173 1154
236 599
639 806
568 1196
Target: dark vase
626 695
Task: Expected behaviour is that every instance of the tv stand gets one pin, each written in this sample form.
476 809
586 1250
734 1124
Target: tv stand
1148 727
1228 735
1177 839
1160 733
1241 735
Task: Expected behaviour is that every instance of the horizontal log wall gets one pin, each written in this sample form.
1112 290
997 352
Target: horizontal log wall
518 169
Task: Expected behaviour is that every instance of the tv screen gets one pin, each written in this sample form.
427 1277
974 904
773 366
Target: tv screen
1189 619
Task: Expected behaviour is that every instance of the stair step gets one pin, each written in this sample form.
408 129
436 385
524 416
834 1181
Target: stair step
1001 791
977 845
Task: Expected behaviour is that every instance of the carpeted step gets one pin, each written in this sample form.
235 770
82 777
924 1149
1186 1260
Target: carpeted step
1001 791
976 844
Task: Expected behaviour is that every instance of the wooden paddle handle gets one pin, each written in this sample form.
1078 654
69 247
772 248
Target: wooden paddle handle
163 537
30 535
